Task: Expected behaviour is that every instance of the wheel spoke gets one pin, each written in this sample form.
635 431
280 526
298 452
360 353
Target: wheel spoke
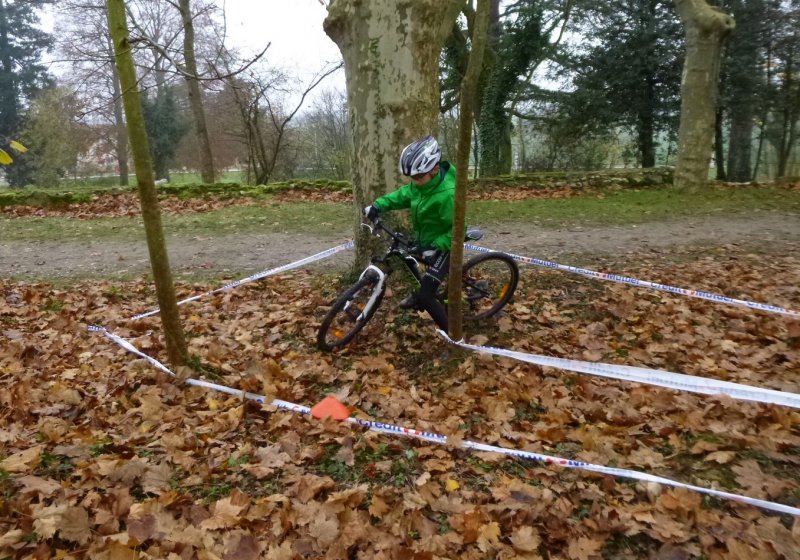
489 283
347 316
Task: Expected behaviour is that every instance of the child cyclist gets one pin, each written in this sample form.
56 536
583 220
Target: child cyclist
430 198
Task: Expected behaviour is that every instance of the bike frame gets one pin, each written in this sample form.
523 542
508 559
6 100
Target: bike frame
372 286
398 248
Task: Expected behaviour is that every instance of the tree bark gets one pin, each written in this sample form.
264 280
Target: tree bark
787 116
151 213
764 112
719 146
646 127
391 55
120 133
469 89
195 96
746 77
740 146
705 29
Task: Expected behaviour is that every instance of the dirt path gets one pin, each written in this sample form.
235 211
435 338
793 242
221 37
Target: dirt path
244 254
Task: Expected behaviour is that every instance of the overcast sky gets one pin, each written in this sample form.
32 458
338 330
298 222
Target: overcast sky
294 27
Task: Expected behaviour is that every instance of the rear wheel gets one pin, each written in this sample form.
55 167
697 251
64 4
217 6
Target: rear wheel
488 284
346 316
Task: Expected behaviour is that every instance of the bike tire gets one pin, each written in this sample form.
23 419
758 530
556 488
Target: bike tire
335 331
482 302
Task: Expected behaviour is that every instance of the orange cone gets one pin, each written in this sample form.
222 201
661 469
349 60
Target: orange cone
330 407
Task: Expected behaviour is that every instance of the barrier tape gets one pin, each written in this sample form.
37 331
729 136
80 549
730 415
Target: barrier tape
528 260
643 283
258 276
670 380
433 437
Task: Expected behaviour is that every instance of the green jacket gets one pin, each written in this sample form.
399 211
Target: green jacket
430 205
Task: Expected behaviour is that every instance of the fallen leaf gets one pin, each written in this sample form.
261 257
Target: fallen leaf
45 487
22 461
720 457
157 478
47 520
12 537
74 525
526 539
489 536
584 548
422 479
245 548
325 529
226 512
377 507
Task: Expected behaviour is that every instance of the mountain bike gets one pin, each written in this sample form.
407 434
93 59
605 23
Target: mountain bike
488 284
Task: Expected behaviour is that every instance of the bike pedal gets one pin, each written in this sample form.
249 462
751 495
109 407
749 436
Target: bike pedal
410 302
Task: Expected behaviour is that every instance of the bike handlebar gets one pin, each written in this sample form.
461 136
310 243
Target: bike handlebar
399 238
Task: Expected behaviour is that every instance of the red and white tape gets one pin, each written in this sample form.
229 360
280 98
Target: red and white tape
668 379
258 276
643 283
395 430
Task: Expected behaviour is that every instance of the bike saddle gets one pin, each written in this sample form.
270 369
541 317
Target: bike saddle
473 234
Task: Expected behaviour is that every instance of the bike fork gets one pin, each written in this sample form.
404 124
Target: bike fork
375 292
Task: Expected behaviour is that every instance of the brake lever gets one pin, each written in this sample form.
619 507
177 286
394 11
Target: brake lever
373 229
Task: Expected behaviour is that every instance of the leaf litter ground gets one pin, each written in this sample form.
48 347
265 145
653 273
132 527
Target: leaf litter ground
105 457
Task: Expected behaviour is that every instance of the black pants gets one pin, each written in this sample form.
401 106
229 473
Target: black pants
431 280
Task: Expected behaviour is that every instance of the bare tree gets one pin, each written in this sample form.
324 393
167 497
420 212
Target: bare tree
151 213
469 87
84 44
195 98
265 121
327 129
157 31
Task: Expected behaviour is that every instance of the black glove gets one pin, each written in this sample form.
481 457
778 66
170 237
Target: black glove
371 213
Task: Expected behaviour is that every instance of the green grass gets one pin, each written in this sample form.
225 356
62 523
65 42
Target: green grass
309 218
624 207
113 180
619 207
182 178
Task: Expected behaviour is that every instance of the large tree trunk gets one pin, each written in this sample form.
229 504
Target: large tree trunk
151 213
706 29
195 97
490 113
391 56
469 89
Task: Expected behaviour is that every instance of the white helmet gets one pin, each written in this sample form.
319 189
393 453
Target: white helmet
420 157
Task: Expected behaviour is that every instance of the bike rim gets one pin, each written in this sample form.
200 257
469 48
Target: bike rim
486 286
346 323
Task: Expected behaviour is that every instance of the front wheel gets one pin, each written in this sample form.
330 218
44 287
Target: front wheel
346 316
488 284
